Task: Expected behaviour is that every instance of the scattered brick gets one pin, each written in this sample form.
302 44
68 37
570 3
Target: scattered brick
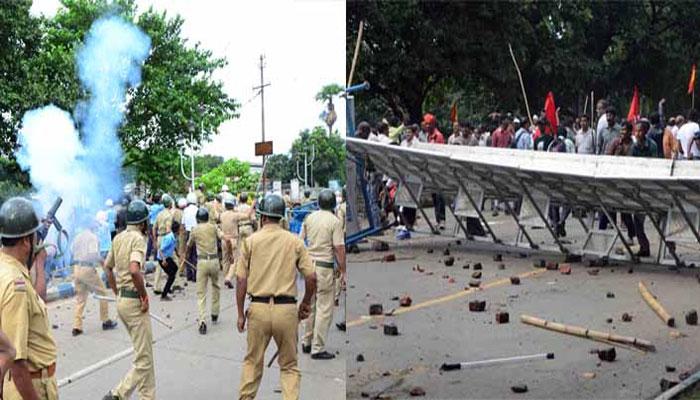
405 301
476 274
551 265
691 317
449 261
364 395
610 295
515 280
498 258
417 391
626 317
540 264
390 329
477 266
477 305
390 257
565 269
684 375
519 388
430 251
501 266
589 375
474 283
609 320
395 298
418 268
429 273
465 266
376 309
502 317
593 272
446 252
667 384
451 280
607 354
360 358
670 368
630 271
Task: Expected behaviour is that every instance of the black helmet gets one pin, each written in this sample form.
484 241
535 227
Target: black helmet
244 197
202 186
326 200
229 201
167 201
307 193
202 214
18 218
272 206
136 212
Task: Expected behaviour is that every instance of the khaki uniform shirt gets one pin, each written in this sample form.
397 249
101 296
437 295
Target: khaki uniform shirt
201 198
23 316
177 215
86 248
230 220
164 222
270 259
204 236
322 230
340 213
127 247
213 212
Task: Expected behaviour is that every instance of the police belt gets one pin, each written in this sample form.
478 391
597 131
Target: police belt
324 264
47 372
86 264
246 224
129 293
208 257
275 299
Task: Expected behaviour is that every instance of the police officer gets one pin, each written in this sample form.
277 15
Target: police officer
200 193
230 220
162 226
86 262
205 237
267 270
181 242
123 265
23 315
245 228
340 212
324 234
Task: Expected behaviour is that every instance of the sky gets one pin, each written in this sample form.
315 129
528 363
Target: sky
304 46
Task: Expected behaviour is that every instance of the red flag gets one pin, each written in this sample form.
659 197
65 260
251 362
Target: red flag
453 113
691 84
633 115
550 111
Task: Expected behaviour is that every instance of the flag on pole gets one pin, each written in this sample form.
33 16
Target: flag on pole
550 111
691 84
453 112
633 114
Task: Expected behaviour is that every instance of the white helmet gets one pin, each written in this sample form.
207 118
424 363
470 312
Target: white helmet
224 188
101 217
109 203
191 198
181 202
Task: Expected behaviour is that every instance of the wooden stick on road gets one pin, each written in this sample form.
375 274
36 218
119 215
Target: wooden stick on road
586 333
656 306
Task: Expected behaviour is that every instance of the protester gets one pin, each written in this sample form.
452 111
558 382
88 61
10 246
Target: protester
644 147
608 133
436 137
584 137
686 133
501 136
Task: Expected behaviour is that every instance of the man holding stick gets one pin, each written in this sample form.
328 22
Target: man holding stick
124 260
267 270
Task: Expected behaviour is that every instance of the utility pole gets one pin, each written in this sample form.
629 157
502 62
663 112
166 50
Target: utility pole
262 87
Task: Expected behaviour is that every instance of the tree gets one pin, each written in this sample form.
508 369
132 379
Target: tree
326 96
234 173
178 102
279 167
329 163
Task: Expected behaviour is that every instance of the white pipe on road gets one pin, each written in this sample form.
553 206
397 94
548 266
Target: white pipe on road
94 367
496 361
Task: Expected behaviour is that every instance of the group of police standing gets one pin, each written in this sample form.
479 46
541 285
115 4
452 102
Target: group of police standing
265 264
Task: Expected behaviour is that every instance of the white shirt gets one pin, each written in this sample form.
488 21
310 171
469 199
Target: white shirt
602 124
685 135
189 217
584 141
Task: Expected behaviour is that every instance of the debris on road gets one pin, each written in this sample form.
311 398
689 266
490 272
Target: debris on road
477 267
389 258
565 269
691 317
498 258
610 295
519 388
502 317
418 268
360 358
587 333
515 280
465 266
495 361
656 306
608 355
476 274
390 329
451 280
667 384
670 368
449 261
626 317
474 283
609 320
540 264
405 301
477 305
593 272
501 266
589 375
376 309
417 391
446 252
430 251
551 266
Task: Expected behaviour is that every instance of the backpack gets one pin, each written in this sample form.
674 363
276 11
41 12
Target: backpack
514 145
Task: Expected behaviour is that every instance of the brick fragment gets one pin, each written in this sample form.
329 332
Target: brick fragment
515 280
477 305
502 317
607 354
667 384
519 388
376 309
405 301
449 261
476 274
626 317
477 266
474 283
390 329
498 258
565 269
389 257
691 317
593 272
417 391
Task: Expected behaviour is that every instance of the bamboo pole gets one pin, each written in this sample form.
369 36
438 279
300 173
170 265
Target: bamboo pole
585 332
656 306
357 52
522 86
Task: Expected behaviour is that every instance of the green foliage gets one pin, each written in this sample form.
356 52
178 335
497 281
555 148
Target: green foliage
329 163
13 182
234 173
421 56
328 92
279 167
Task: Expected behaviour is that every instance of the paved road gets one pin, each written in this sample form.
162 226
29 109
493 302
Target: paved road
188 365
440 328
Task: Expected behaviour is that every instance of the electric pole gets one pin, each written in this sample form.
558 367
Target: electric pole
262 87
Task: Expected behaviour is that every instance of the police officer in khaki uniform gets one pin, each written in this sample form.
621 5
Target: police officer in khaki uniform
324 234
230 221
163 226
123 266
267 271
23 315
340 212
86 262
181 242
200 193
205 237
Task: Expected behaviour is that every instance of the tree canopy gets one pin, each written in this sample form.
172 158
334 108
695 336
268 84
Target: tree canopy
329 163
234 173
421 55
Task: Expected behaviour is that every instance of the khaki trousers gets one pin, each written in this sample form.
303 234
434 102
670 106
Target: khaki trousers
87 280
45 388
279 322
159 271
229 248
206 271
318 323
181 247
142 375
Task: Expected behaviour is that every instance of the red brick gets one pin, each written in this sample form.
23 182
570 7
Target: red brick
502 317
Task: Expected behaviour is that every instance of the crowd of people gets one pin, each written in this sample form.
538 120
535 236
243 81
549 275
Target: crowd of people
653 136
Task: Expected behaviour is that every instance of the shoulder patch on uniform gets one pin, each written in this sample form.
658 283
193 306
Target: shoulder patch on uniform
20 285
